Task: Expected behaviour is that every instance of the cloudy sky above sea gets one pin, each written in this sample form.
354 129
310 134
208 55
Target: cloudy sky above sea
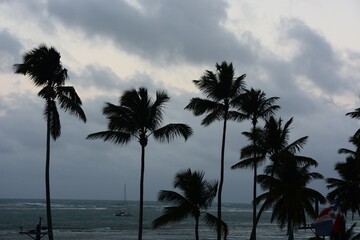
305 52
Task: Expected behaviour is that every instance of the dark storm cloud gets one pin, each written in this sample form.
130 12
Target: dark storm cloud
9 50
169 31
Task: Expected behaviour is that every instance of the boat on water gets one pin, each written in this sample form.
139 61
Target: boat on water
123 212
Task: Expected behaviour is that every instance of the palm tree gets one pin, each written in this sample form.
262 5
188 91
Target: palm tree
222 92
254 106
276 139
346 190
44 68
273 143
197 196
287 192
138 117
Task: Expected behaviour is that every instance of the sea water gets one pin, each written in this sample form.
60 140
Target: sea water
95 220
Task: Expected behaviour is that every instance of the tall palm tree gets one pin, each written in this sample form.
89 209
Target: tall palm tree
222 91
254 106
138 117
44 68
197 196
286 189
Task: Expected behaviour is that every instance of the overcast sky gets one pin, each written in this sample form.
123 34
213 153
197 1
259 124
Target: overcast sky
305 52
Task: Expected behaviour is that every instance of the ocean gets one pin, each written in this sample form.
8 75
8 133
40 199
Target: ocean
95 220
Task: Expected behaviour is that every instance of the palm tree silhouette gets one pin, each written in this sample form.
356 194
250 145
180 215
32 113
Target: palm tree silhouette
222 92
346 189
273 144
138 117
287 192
44 68
254 106
197 195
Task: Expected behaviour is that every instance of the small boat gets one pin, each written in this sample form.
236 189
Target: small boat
123 212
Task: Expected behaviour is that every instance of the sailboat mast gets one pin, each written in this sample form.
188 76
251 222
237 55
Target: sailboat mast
125 196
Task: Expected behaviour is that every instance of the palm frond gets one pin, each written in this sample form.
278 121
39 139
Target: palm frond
200 106
303 160
248 162
297 145
236 116
172 197
207 84
171 131
212 221
355 114
215 115
171 214
157 108
70 102
54 119
239 84
111 136
346 151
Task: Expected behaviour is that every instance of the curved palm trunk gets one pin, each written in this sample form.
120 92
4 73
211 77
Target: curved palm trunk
261 210
221 182
141 207
47 181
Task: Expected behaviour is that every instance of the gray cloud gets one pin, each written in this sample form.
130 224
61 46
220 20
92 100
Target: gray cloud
167 31
9 50
316 58
103 78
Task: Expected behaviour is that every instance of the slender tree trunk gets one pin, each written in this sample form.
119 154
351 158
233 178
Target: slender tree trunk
197 228
221 182
253 232
47 180
141 207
